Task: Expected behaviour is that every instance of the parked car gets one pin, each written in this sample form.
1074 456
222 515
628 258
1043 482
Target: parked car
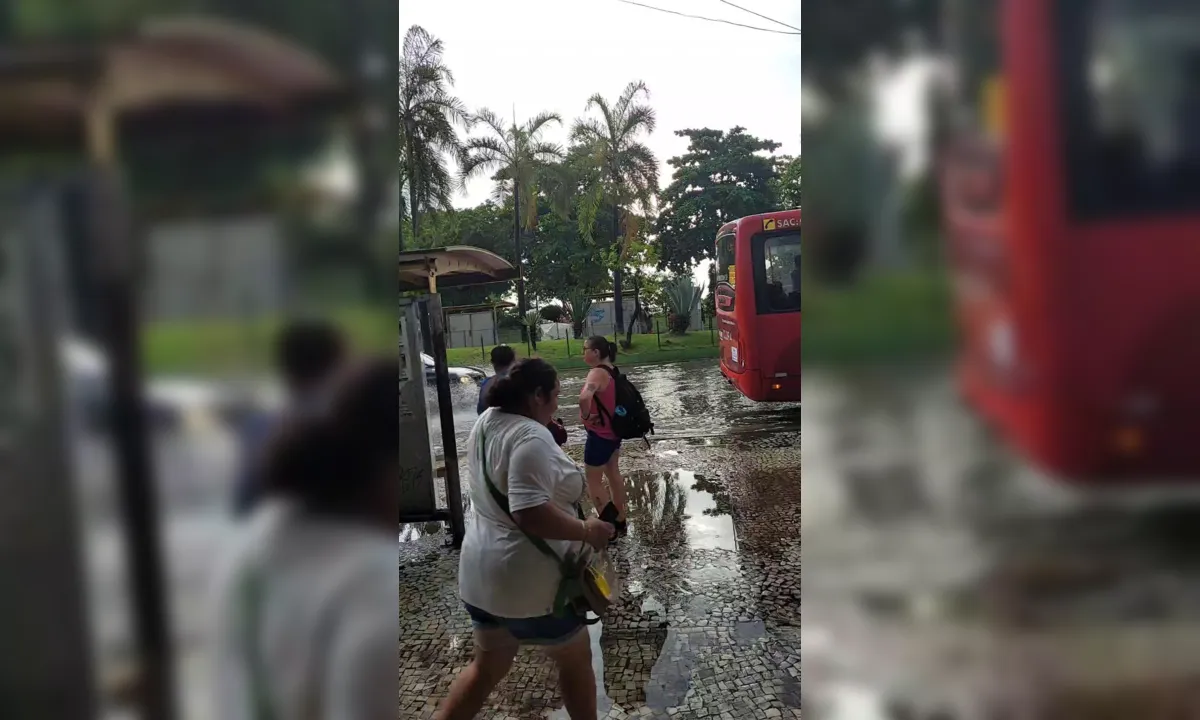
459 375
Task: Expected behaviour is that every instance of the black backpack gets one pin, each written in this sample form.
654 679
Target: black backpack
630 419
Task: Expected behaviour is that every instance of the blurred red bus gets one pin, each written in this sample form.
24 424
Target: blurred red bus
758 305
1071 188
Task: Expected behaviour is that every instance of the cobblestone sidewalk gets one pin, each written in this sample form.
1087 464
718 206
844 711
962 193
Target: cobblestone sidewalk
708 625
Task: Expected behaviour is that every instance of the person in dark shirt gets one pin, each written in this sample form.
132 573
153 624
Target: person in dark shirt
307 354
503 358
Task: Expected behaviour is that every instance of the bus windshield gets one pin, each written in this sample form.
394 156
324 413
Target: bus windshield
1131 100
777 273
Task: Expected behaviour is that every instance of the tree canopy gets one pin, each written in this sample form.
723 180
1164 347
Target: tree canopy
722 176
428 115
850 31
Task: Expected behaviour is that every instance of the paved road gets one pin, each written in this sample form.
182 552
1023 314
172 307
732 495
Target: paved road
709 620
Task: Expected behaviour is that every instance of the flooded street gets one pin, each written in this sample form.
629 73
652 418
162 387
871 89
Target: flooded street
946 578
940 573
194 473
709 619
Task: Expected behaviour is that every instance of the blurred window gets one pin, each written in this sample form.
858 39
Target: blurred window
1131 101
777 265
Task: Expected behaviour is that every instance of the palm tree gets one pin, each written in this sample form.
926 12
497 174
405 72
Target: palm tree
428 114
517 157
629 170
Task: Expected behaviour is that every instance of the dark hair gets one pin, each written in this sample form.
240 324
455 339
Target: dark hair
503 356
332 461
307 352
514 392
607 348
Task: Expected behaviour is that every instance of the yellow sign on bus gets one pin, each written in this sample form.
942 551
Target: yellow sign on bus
732 276
993 106
768 224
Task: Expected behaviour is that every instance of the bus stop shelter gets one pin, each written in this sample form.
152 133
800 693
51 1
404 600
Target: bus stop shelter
423 272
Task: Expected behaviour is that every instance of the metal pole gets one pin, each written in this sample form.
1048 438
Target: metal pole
109 210
433 311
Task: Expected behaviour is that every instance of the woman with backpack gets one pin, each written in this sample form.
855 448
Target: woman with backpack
602 452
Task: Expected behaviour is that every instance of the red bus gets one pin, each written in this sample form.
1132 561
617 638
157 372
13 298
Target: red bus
1071 188
758 305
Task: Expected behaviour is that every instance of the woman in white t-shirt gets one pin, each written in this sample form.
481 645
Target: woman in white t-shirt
305 627
508 586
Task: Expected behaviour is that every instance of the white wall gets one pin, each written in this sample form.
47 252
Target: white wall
470 329
224 268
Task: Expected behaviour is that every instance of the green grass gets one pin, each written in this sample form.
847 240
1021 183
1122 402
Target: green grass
568 354
885 317
226 348
898 316
235 347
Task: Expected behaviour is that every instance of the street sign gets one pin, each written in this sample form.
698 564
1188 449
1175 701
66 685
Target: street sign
416 449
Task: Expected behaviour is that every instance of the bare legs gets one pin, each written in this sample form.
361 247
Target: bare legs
475 683
596 490
616 485
576 678
494 653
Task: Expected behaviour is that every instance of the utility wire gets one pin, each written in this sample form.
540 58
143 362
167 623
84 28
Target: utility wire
716 20
764 17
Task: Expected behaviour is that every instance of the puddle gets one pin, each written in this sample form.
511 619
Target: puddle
666 508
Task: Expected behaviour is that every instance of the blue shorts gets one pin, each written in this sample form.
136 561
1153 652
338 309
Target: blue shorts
548 630
597 451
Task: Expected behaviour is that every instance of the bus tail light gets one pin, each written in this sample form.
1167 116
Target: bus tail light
1129 441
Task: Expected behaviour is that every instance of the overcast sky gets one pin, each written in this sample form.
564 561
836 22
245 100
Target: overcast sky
551 55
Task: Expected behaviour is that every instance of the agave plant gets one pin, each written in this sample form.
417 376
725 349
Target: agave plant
579 304
682 297
533 321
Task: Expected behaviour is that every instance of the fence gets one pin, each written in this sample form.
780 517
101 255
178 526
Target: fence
572 345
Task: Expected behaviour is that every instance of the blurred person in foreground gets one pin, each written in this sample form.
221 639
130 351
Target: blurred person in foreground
509 587
306 602
503 358
307 353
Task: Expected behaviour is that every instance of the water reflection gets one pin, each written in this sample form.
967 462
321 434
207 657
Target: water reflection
940 566
680 509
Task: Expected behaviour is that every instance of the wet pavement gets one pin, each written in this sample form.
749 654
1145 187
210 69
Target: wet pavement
945 578
708 623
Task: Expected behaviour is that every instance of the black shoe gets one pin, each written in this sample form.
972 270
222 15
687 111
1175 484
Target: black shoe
622 527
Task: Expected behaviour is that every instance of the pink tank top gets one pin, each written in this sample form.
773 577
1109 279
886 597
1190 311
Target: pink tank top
599 423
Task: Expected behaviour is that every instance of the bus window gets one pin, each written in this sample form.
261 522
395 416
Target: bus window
1131 81
726 258
777 267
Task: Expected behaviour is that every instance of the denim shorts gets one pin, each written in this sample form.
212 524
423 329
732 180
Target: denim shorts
548 630
597 451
